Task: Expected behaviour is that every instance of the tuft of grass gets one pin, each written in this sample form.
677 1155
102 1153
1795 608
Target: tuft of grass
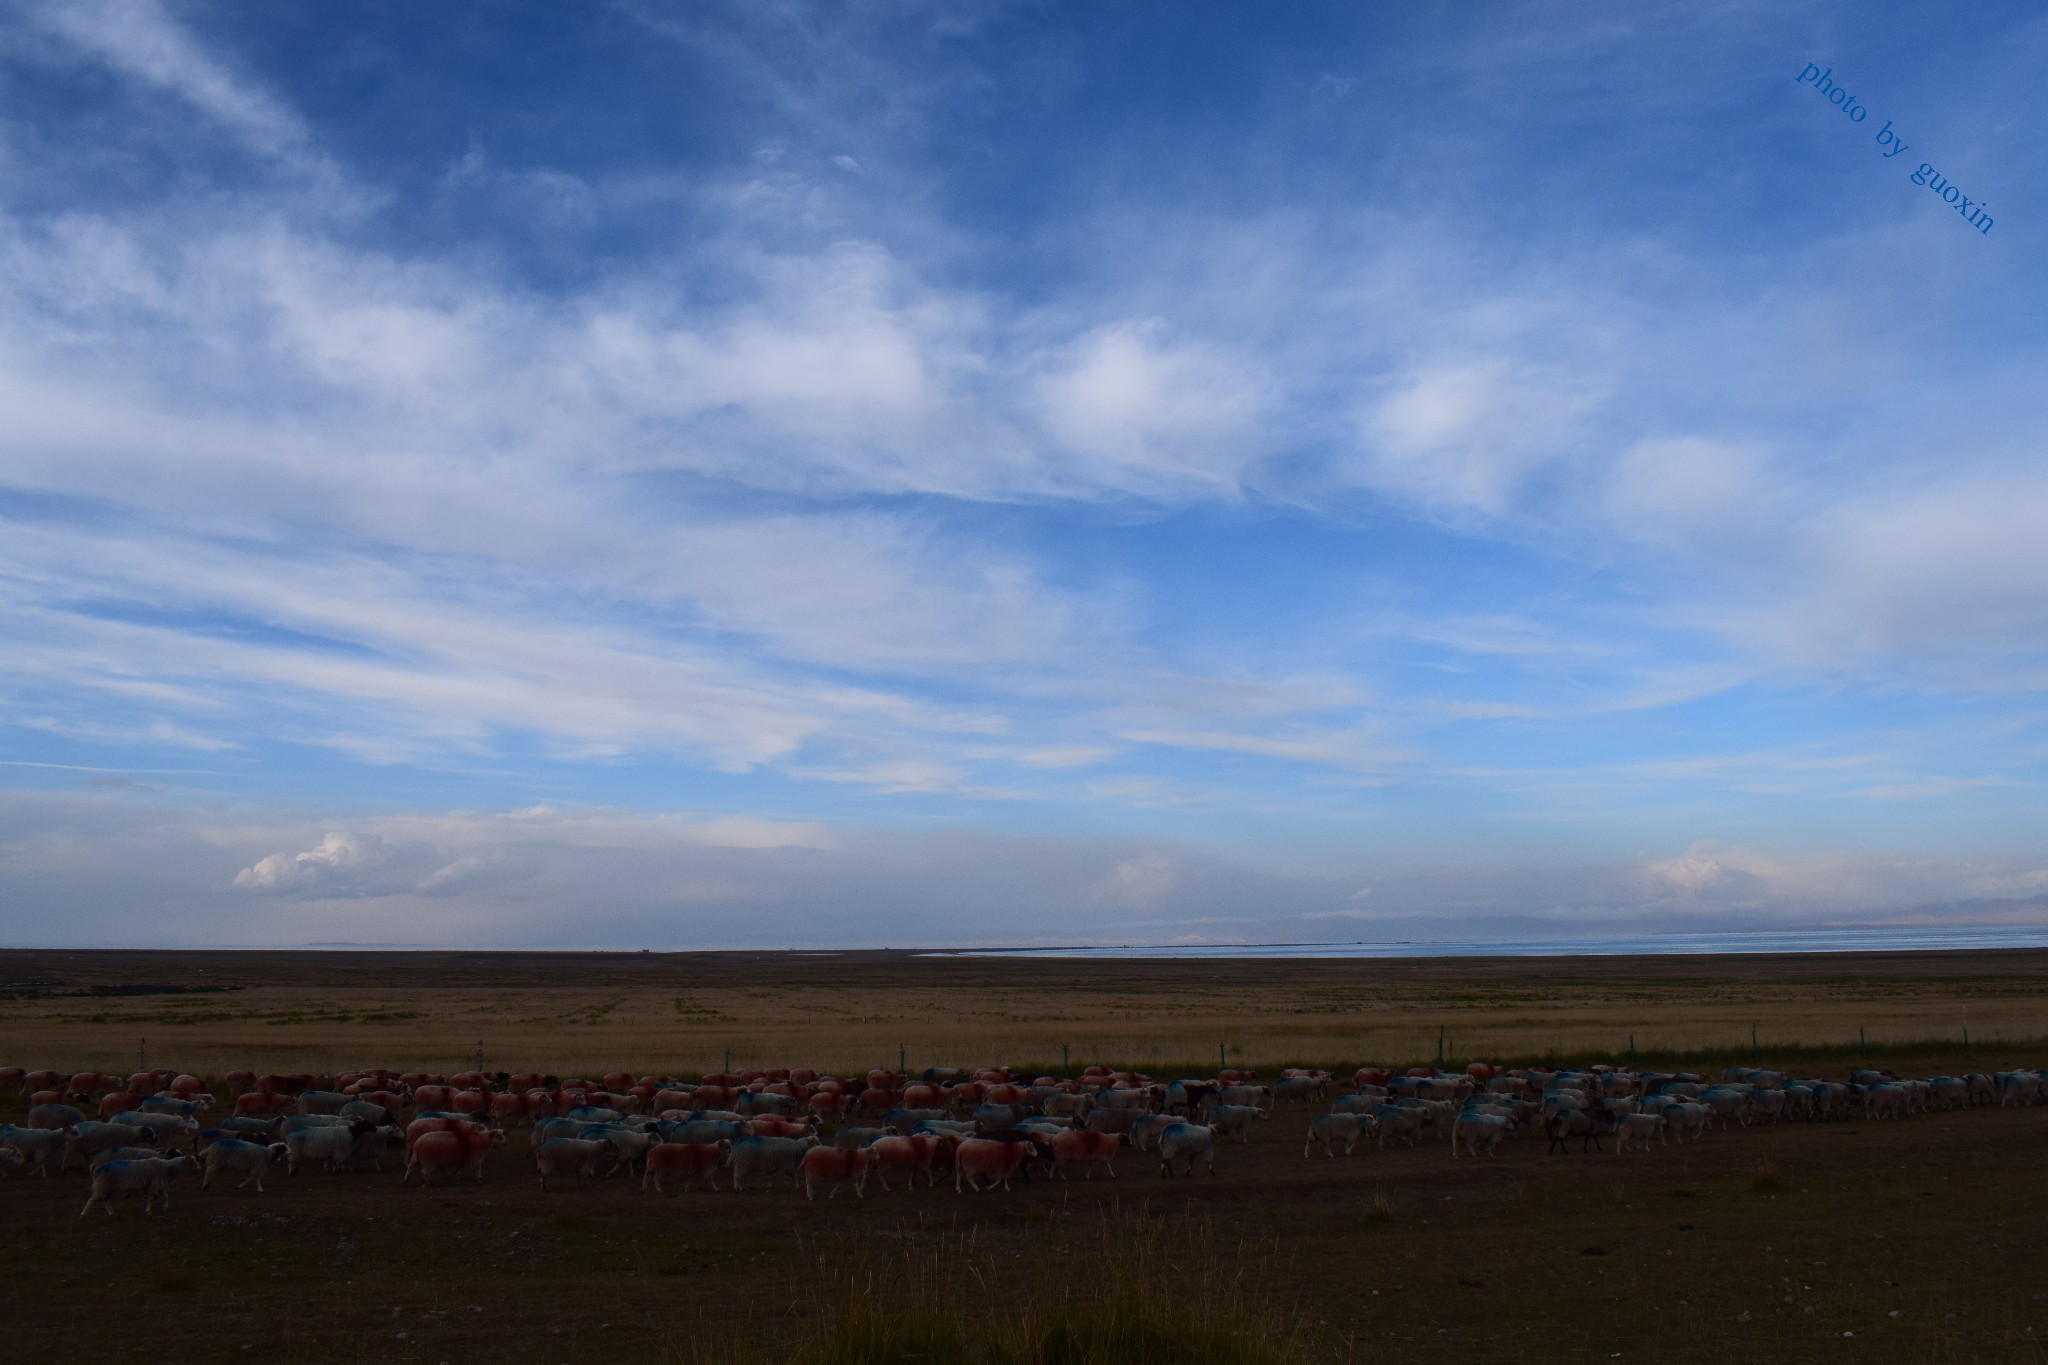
1378 1210
1142 1290
864 1332
1121 1335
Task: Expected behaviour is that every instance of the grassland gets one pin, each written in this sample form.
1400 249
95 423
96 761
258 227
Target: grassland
1920 1237
838 1011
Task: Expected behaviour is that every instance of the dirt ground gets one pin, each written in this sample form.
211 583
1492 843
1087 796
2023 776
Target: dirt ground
1916 1240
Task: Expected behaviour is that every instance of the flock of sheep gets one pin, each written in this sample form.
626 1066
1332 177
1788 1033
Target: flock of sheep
980 1129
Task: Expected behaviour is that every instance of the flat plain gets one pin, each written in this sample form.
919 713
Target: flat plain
1912 1240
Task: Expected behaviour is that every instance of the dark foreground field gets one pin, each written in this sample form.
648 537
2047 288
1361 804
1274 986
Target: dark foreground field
1916 1240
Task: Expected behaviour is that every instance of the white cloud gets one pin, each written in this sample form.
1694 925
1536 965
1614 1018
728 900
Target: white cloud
1955 567
1932 787
329 868
1707 867
1056 755
1164 413
1466 434
1137 883
1692 492
1350 749
138 39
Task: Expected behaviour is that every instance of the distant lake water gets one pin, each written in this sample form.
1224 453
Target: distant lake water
1762 941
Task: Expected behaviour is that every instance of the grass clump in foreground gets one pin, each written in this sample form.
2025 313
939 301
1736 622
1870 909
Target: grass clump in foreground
1109 1329
1136 1290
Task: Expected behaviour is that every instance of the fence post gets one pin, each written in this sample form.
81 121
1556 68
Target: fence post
1066 1066
142 1054
1631 1051
479 1054
1222 1058
901 1067
1439 1049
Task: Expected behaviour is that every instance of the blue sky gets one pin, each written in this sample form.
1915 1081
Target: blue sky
706 475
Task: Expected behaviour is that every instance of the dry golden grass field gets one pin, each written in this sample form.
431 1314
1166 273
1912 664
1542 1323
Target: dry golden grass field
570 1012
1914 1240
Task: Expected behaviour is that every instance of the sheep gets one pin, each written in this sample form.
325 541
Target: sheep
1637 1128
1234 1120
1187 1141
1477 1132
249 1159
37 1147
149 1177
1332 1129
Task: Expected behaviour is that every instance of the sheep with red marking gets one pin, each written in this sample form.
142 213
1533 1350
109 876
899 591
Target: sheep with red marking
909 1153
470 1103
774 1127
875 1100
983 1163
437 1123
837 1167
87 1084
433 1097
1079 1147
689 1160
507 1110
451 1152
